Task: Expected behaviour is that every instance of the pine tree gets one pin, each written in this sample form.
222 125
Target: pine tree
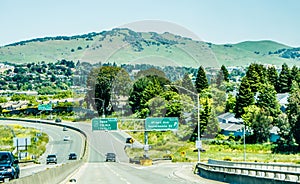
219 79
188 84
267 100
201 80
272 76
253 77
225 73
293 75
244 98
283 81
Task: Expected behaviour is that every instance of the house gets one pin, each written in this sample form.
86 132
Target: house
228 117
231 125
283 100
232 128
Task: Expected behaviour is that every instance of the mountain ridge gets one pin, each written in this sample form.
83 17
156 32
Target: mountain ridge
124 46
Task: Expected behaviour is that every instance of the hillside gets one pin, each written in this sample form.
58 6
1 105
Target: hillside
126 46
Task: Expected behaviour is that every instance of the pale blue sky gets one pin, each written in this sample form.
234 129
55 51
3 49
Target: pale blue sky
216 21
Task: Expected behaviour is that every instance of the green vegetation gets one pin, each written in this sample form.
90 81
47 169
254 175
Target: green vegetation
38 139
126 46
230 151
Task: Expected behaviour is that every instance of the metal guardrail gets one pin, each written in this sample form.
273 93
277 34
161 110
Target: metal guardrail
258 165
243 174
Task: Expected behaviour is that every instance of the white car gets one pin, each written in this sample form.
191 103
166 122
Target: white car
67 138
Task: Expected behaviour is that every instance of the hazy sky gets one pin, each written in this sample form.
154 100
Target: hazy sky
216 21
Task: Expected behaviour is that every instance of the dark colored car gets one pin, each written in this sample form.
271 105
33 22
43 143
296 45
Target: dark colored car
9 167
72 156
51 159
110 157
57 120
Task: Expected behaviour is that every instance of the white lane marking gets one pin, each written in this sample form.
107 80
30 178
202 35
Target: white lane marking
117 174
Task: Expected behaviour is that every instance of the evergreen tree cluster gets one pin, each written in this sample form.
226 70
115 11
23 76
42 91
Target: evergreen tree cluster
258 90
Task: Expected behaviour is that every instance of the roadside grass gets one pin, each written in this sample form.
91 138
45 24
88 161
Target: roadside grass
38 139
168 144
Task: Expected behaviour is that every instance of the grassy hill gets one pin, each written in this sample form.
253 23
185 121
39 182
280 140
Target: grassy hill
126 46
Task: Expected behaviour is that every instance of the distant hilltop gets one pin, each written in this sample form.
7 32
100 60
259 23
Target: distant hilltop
124 46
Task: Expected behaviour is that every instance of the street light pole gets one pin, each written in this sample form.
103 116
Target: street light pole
198 130
198 142
244 142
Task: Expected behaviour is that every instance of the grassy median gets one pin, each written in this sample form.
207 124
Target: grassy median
38 140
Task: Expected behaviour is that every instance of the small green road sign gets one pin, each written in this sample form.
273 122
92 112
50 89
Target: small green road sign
45 107
161 124
104 124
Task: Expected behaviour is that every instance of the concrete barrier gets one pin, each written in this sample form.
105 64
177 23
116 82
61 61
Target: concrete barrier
50 176
243 175
55 174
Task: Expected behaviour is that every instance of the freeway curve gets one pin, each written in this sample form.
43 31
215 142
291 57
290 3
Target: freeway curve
56 145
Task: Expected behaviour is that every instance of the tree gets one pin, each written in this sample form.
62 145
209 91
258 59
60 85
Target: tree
218 100
286 142
205 114
225 73
150 72
187 83
259 121
201 80
120 90
284 81
230 103
272 76
293 75
99 83
213 127
143 90
267 100
253 77
244 98
219 79
293 111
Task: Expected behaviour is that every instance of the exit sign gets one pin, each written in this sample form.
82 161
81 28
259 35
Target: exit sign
104 124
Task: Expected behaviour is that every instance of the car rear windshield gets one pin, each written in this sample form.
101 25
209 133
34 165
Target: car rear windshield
4 158
49 156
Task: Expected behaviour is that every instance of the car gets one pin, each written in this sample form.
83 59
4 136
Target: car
65 128
51 158
110 157
9 166
72 156
67 138
57 120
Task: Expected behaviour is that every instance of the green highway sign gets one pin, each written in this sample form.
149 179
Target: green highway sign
104 124
45 107
161 124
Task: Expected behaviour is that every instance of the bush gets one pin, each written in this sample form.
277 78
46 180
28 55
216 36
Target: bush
227 158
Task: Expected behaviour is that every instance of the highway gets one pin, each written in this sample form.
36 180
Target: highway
56 145
96 170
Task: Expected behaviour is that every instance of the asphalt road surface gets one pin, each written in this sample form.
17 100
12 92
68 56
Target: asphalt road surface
56 145
96 170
